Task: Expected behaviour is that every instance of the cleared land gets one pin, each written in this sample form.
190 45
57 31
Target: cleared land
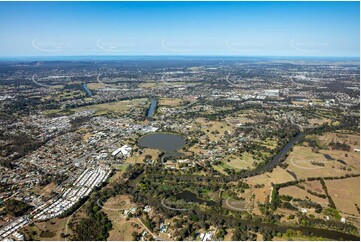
45 191
150 84
278 175
122 228
96 86
139 158
173 102
117 107
214 129
300 159
48 230
314 186
297 192
345 193
237 163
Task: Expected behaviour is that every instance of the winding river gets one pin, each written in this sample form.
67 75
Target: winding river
324 233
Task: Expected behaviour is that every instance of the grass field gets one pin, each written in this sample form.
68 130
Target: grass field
58 112
172 102
120 169
345 193
300 158
319 121
95 85
139 158
214 129
117 107
314 186
45 191
100 109
297 192
270 143
237 163
149 84
122 228
278 175
239 120
49 230
64 95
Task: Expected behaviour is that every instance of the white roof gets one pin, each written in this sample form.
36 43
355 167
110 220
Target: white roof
115 152
125 149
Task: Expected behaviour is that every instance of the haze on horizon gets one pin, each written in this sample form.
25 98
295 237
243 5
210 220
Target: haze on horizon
179 28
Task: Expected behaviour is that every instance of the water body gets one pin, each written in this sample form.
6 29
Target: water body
152 107
192 197
274 162
86 89
169 143
324 233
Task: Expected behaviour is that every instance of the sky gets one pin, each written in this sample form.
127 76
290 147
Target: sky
180 28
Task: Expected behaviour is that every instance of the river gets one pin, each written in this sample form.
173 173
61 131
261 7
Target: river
152 107
274 162
86 89
325 233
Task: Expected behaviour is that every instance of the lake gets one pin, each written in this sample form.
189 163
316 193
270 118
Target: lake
169 143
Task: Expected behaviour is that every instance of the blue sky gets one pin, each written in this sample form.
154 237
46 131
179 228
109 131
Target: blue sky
180 28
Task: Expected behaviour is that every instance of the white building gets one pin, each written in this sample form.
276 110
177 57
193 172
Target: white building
115 152
206 237
126 150
147 209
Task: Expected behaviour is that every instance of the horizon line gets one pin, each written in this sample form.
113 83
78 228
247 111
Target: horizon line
177 55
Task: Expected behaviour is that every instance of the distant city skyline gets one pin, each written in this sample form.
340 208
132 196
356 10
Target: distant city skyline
179 28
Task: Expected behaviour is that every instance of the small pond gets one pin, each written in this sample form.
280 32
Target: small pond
192 197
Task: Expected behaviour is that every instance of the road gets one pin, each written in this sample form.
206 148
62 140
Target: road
146 228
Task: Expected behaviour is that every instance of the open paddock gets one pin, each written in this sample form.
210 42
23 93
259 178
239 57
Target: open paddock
139 158
278 175
150 85
115 107
313 186
214 129
122 228
172 102
96 85
48 230
300 159
345 193
350 139
297 192
237 163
